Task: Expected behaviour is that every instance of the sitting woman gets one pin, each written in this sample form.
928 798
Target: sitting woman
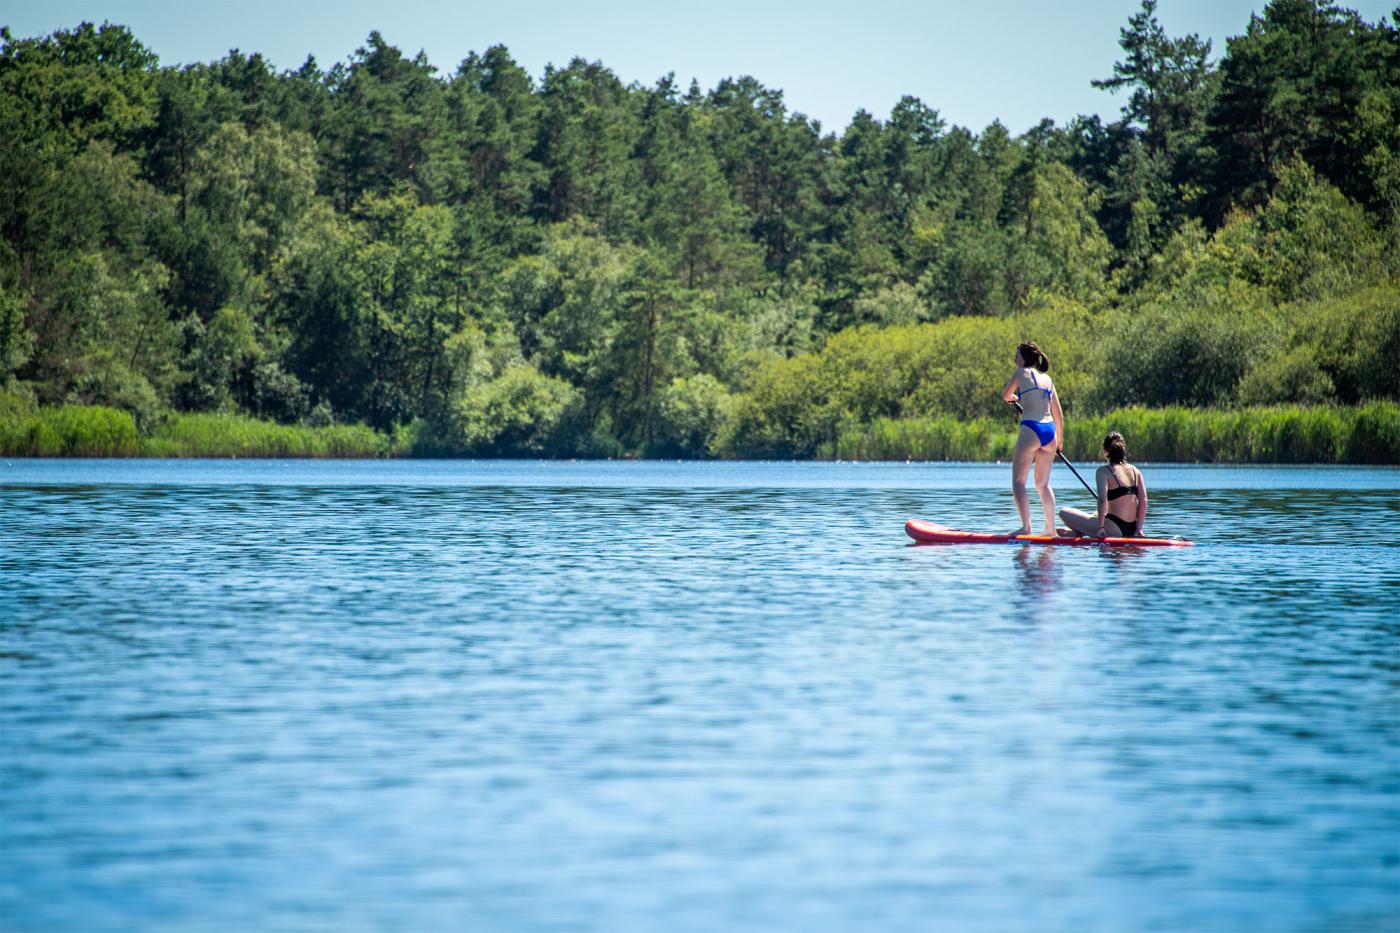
1122 497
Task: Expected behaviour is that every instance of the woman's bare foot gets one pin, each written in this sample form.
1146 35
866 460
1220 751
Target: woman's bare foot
1023 530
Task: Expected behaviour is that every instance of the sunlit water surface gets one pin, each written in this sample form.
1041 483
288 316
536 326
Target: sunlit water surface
646 696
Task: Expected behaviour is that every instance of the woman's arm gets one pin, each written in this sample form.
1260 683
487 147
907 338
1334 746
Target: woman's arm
1142 500
1008 391
1059 417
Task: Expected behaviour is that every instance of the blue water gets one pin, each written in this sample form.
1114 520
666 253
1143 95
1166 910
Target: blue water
729 696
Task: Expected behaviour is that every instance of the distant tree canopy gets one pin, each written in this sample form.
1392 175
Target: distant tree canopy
577 265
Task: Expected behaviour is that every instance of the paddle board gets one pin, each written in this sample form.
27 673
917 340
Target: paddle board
931 533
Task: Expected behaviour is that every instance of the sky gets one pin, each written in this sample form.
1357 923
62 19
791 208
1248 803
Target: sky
974 61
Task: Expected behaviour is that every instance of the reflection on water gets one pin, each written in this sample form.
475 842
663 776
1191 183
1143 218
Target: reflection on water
706 696
1039 577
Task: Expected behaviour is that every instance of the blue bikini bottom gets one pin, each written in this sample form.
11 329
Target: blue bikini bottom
1045 430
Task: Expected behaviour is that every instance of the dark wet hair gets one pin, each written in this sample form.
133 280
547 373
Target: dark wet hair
1034 356
1115 447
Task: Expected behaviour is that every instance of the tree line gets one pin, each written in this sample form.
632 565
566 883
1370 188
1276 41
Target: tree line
572 265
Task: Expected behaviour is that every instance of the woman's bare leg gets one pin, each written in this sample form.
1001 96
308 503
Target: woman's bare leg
1044 460
1026 445
1082 523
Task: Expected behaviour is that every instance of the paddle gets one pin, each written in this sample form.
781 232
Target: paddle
1065 462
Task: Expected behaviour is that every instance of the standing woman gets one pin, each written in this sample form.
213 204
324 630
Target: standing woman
1040 436
1122 496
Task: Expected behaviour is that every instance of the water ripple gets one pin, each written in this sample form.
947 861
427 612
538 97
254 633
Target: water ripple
622 696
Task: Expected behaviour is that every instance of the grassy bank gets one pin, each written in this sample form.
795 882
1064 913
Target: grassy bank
95 431
238 436
67 431
1368 434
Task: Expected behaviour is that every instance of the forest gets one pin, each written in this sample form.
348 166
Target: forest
382 258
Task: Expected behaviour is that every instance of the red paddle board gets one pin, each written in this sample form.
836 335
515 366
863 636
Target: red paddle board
931 533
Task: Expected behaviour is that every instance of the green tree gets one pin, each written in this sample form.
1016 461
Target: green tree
215 356
59 95
182 126
484 163
404 267
650 349
564 304
1137 218
243 195
586 132
1170 82
685 209
1056 244
385 112
316 300
94 294
777 166
16 342
1310 241
966 239
1311 79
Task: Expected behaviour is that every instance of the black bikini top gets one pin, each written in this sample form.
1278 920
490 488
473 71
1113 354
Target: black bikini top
1122 490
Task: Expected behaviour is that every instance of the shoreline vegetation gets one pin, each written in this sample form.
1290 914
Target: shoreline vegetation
1367 434
387 257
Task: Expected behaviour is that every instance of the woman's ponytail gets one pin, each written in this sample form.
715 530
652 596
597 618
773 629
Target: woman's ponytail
1115 447
1034 356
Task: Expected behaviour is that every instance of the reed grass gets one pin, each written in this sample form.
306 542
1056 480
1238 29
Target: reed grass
96 431
1368 434
67 431
223 435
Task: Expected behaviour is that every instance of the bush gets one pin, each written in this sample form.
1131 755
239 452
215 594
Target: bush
1356 342
520 412
954 368
1171 352
693 411
778 416
928 439
1294 374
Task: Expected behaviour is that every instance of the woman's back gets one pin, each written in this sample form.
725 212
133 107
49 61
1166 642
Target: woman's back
1034 391
1124 492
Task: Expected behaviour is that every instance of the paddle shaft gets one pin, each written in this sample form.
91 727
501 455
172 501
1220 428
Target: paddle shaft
1065 461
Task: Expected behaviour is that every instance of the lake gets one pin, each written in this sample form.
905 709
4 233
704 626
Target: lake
511 695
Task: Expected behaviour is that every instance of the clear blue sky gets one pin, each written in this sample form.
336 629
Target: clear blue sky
1015 60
